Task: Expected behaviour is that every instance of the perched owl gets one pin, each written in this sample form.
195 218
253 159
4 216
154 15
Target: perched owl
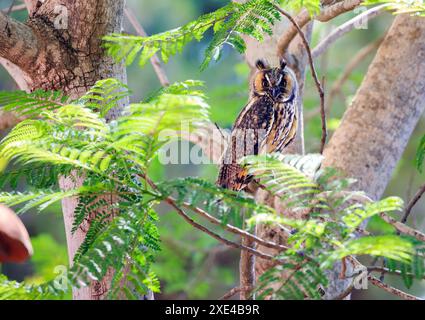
267 124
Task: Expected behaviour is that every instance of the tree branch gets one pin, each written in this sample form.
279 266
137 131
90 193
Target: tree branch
22 80
304 17
17 7
337 9
345 293
30 5
234 229
156 63
376 282
313 72
215 235
374 130
234 291
401 227
204 229
337 86
386 270
246 269
345 28
412 203
285 39
19 45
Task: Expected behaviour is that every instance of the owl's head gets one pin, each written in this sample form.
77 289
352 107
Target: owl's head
278 83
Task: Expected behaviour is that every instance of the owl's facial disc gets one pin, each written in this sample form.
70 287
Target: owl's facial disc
278 83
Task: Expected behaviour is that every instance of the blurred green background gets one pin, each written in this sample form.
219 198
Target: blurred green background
192 265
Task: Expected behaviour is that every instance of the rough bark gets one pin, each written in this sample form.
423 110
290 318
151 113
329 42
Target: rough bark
19 44
376 127
59 48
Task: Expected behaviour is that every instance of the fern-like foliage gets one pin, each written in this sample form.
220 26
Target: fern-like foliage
105 95
302 279
280 176
226 205
335 218
31 104
122 244
188 87
111 162
412 269
74 140
253 18
420 155
39 176
12 290
40 199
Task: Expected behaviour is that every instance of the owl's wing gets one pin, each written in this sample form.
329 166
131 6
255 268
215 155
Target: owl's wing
284 128
249 133
252 127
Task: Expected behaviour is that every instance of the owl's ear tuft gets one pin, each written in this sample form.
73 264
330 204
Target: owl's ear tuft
283 63
260 64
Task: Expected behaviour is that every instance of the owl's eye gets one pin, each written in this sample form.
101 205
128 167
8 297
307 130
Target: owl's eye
265 83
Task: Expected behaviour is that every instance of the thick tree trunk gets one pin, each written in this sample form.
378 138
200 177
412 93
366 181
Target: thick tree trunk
376 127
59 48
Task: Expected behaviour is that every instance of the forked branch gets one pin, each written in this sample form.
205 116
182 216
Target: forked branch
19 45
304 17
347 27
314 74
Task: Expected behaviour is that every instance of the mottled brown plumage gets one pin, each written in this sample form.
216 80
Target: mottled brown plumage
267 124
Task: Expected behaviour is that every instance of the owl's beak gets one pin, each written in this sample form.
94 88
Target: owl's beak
275 93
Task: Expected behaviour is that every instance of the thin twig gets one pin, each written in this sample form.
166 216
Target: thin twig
156 63
345 28
412 203
401 227
215 235
376 282
337 86
234 291
304 17
386 270
313 73
323 118
236 230
18 7
204 229
406 296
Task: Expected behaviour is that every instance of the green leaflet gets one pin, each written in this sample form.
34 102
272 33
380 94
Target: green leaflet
253 18
420 155
389 246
